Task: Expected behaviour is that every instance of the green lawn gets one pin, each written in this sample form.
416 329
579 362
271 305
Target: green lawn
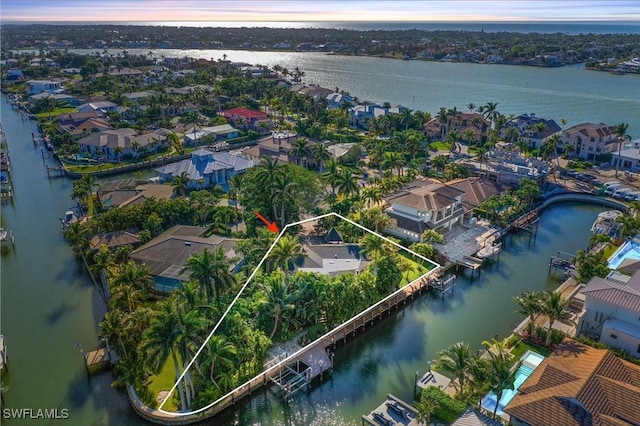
608 251
411 275
438 146
164 381
522 347
55 112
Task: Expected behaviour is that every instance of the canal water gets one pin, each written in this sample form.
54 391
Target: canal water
49 305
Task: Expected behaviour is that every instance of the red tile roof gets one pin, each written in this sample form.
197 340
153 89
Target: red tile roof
244 112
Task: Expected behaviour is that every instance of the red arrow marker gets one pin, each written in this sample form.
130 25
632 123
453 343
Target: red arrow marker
270 226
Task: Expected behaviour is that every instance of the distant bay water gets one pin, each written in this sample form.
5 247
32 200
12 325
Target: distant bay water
564 27
571 92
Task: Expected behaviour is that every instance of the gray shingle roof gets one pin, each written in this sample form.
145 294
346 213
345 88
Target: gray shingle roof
623 295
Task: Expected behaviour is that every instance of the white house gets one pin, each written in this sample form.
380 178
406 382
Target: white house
211 134
38 86
629 156
611 311
590 140
423 205
101 107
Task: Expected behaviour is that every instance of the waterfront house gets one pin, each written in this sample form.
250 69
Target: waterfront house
100 107
611 312
118 143
337 100
206 168
82 128
329 255
115 239
247 118
590 140
527 126
475 191
166 254
279 146
313 90
578 385
58 97
38 86
128 193
421 205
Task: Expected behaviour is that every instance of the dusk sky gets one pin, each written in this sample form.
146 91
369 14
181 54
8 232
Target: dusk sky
319 10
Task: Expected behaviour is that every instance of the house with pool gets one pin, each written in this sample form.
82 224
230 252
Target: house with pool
578 385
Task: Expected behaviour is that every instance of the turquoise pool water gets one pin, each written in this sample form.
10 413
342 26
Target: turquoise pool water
530 360
629 250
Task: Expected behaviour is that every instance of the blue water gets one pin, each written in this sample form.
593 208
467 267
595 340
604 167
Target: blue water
489 401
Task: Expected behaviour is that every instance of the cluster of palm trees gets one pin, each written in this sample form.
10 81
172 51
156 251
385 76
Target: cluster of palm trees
476 374
549 304
504 208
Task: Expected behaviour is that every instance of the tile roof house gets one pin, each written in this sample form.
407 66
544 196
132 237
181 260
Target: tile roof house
119 197
473 417
244 116
167 254
590 139
90 125
526 123
611 311
422 205
463 122
115 239
117 143
475 191
578 385
207 168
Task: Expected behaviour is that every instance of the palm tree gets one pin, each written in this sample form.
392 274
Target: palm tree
455 361
160 342
443 119
489 111
320 154
300 149
236 184
211 271
136 275
530 303
554 307
278 298
373 247
452 139
347 182
501 375
621 132
287 249
219 353
371 194
393 160
181 183
268 170
426 407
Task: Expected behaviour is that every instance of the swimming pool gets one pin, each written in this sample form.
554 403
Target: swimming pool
530 360
629 250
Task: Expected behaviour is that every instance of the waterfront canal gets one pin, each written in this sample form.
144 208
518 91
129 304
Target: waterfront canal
49 304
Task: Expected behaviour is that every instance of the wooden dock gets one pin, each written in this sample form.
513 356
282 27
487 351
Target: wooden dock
314 355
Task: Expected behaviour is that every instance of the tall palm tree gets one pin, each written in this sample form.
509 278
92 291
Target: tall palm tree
426 407
501 375
136 275
320 154
373 247
455 361
211 271
285 195
236 184
453 137
181 183
160 342
347 183
443 118
300 150
279 299
554 307
372 196
530 304
621 132
490 112
393 160
286 250
268 170
219 353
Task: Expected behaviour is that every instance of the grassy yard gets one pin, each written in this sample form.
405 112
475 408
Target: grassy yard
164 381
439 146
415 271
55 112
609 250
522 347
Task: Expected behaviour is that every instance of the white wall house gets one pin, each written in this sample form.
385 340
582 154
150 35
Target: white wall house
612 311
38 86
590 140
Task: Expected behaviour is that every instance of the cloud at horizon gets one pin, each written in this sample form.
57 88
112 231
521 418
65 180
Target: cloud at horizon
318 10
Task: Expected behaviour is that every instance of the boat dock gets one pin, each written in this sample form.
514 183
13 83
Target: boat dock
392 412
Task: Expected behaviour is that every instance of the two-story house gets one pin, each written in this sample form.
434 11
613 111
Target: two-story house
590 140
118 143
422 205
611 311
536 130
244 117
38 86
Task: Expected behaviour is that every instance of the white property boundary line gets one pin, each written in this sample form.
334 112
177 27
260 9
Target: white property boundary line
235 299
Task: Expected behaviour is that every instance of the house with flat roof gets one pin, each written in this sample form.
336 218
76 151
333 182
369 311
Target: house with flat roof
611 312
578 385
508 168
209 134
38 86
167 254
629 156
422 205
207 168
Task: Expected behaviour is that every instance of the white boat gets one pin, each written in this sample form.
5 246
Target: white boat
606 222
6 236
